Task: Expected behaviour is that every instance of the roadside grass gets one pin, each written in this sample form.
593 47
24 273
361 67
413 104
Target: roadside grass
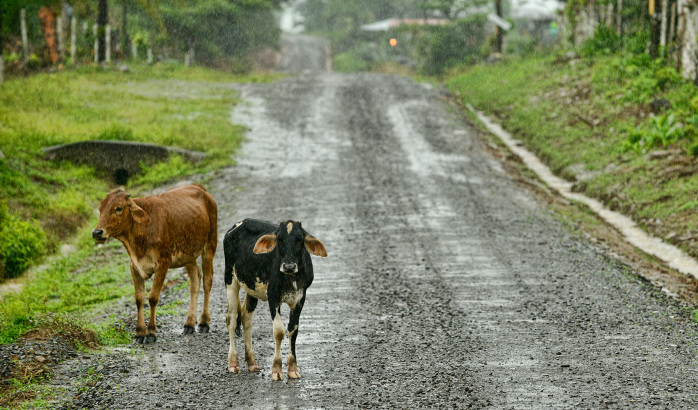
61 295
164 104
66 297
592 122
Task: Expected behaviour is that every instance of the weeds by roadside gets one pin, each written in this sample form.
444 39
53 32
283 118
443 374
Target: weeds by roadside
620 127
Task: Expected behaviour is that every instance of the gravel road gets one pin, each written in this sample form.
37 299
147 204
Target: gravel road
448 284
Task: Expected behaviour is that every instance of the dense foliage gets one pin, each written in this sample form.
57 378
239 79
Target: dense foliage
220 29
21 242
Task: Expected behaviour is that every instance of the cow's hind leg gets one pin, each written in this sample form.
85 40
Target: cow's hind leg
231 320
194 285
291 364
139 286
279 334
207 267
247 314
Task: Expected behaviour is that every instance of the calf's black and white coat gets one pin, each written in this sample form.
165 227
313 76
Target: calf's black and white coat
272 263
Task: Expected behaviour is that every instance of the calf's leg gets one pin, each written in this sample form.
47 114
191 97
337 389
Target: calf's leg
139 286
207 265
279 334
153 299
291 365
247 314
231 320
194 274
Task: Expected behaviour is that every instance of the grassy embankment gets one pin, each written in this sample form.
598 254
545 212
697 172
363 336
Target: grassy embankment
167 104
593 121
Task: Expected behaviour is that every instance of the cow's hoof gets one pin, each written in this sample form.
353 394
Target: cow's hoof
276 375
188 329
252 368
150 339
293 374
139 339
203 328
234 368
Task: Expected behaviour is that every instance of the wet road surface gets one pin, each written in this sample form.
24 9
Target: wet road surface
447 285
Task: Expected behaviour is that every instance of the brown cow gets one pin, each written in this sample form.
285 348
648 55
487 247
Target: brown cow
160 232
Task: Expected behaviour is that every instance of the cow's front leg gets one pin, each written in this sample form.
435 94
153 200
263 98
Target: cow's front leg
194 274
231 320
279 334
153 299
139 286
294 316
247 315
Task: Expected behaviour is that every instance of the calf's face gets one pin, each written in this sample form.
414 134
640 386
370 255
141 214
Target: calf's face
290 238
117 212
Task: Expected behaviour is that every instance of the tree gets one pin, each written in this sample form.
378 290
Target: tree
2 41
102 21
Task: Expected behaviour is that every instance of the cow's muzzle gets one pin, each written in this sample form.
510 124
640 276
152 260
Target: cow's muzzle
289 268
98 235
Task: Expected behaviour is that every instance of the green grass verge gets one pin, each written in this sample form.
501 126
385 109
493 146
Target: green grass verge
164 104
592 121
68 287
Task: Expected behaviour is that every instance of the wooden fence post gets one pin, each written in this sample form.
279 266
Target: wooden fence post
150 55
61 39
25 41
73 38
662 33
96 46
619 18
107 44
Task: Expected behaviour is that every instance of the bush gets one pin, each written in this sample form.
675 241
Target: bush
349 63
20 243
604 41
446 46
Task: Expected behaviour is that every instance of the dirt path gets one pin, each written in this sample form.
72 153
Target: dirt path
447 284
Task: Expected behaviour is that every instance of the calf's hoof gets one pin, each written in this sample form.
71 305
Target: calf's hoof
253 368
150 339
139 339
276 375
293 374
188 329
203 328
233 368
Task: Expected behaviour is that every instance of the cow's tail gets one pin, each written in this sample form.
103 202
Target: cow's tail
238 325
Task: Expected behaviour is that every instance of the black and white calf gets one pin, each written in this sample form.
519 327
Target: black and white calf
270 262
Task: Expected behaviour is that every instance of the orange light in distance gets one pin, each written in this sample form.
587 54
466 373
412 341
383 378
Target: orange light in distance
393 42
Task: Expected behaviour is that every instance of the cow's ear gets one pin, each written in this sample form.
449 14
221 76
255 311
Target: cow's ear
315 246
265 244
138 214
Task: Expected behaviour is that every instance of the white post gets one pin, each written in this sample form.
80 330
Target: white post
619 18
61 40
688 40
94 30
107 39
150 55
25 41
134 50
662 33
2 68
73 38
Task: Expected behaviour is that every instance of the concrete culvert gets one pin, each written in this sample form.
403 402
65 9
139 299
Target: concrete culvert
121 176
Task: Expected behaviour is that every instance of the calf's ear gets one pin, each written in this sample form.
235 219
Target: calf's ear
315 246
138 214
265 244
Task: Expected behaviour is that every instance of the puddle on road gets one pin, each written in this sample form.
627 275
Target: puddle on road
670 254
